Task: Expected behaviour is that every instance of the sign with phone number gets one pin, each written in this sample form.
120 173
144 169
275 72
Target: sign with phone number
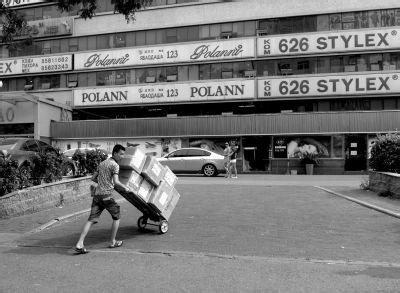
329 42
332 85
35 65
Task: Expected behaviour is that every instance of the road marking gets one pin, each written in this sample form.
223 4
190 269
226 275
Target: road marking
363 203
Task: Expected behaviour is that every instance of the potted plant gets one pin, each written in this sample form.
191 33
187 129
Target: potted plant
309 159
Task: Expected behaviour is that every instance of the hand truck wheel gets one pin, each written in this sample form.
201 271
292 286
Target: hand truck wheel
163 227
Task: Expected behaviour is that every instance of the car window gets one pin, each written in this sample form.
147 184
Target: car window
45 147
178 154
195 153
206 154
30 145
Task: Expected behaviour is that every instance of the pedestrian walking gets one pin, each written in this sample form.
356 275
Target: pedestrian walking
232 162
106 177
226 153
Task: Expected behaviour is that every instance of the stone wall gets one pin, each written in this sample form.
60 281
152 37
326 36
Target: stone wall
384 181
45 196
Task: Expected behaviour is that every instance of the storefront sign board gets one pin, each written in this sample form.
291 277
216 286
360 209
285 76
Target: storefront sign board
165 93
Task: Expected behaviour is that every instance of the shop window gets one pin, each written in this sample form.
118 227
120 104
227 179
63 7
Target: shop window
348 20
91 43
171 35
388 17
119 40
303 67
323 65
323 22
285 68
374 18
216 71
336 64
310 24
215 30
265 68
290 25
46 49
183 73
375 61
83 79
49 82
361 19
238 29
204 71
169 2
114 77
335 22
194 73
28 83
55 46
250 28
151 37
390 61
140 38
102 42
397 17
204 32
349 63
83 43
73 45
227 70
182 34
72 80
171 73
337 146
389 104
130 39
193 33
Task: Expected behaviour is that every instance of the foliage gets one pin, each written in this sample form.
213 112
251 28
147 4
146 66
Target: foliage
88 163
385 153
93 159
309 158
9 179
46 166
13 23
365 184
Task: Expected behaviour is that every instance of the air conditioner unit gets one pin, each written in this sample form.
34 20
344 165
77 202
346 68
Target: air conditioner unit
250 73
150 79
72 84
226 35
262 32
172 77
28 87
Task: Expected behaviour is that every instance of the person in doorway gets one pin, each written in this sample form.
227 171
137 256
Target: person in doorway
232 162
227 159
106 177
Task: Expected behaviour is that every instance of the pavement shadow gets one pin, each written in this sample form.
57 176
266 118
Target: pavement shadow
43 243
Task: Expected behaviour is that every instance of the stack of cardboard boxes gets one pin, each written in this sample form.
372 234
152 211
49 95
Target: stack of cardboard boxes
149 181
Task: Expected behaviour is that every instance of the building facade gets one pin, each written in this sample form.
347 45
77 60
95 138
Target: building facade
277 78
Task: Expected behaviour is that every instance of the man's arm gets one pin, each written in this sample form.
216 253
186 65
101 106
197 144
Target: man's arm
119 184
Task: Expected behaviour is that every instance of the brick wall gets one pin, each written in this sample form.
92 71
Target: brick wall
382 181
42 197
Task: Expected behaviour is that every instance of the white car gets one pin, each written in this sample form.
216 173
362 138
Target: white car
194 160
69 153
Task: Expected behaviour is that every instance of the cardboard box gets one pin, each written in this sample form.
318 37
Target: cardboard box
145 190
134 159
161 196
131 179
171 204
169 177
153 171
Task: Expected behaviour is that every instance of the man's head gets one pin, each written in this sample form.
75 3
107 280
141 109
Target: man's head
227 144
117 152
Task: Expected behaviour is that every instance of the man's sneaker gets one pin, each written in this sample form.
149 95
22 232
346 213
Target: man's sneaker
235 177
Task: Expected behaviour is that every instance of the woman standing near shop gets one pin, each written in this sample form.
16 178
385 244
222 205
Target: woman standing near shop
232 163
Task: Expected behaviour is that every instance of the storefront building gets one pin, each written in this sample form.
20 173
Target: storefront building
278 79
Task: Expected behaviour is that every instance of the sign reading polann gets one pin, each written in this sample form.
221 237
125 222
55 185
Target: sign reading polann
329 42
35 64
165 93
207 51
340 85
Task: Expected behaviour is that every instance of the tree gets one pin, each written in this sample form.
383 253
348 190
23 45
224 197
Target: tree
13 23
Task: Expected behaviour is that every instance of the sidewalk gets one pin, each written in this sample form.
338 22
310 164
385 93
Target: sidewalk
344 184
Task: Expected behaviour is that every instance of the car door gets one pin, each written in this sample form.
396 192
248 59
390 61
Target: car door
194 161
175 160
28 148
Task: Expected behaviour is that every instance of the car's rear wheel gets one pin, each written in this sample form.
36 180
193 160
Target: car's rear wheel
209 170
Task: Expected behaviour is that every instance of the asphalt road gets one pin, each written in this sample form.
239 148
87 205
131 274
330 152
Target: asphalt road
244 235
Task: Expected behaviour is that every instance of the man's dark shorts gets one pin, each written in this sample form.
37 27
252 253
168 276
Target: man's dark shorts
98 206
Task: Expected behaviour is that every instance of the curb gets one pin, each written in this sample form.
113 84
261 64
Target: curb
363 203
63 218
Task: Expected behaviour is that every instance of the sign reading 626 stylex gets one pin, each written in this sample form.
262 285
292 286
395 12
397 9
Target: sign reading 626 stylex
329 42
329 85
